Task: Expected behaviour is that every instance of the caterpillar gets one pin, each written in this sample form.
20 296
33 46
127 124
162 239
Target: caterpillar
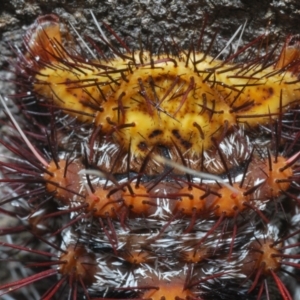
137 175
194 94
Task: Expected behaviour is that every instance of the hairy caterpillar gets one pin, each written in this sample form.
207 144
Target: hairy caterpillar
130 232
144 100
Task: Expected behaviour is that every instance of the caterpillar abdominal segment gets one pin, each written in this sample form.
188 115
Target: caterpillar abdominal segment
151 176
142 100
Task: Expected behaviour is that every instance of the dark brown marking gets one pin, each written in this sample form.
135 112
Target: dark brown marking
184 143
199 129
142 146
271 91
155 133
176 133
